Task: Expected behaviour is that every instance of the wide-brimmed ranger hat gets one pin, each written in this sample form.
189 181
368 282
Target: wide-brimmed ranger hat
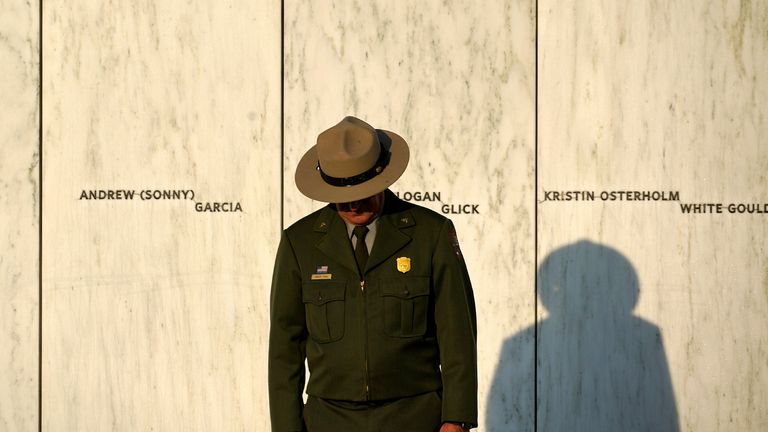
351 161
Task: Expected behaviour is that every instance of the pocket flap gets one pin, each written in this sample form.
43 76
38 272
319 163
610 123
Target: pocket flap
320 293
405 288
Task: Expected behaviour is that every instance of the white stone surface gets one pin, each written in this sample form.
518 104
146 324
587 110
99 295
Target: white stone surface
155 315
457 82
664 96
19 215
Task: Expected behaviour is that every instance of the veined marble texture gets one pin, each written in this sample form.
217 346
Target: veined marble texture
155 314
457 82
652 319
19 215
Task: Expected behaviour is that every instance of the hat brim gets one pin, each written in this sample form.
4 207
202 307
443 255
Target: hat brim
310 182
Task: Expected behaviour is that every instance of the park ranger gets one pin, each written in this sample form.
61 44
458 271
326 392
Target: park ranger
374 294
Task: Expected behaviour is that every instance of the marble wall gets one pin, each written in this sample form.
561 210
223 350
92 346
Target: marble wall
457 82
593 314
19 215
155 312
651 318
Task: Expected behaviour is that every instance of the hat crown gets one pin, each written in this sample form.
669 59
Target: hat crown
351 161
347 149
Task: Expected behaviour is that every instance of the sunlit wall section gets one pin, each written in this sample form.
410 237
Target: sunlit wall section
19 215
162 149
457 82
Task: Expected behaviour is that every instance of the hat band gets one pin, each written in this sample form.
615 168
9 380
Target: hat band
377 168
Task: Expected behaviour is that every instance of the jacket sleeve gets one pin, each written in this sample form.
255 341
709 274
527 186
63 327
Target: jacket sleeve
456 322
287 343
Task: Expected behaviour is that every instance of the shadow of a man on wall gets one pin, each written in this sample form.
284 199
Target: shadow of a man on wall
600 368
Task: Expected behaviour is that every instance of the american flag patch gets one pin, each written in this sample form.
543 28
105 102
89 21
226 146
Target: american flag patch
322 269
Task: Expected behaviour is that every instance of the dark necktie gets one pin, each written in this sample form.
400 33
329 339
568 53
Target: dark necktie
361 250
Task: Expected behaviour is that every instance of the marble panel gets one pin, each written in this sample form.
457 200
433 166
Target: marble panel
652 318
19 215
457 82
155 312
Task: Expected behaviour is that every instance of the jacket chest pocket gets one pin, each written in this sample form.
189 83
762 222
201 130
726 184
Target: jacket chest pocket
324 308
406 303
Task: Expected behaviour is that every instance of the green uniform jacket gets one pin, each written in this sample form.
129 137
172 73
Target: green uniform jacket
388 334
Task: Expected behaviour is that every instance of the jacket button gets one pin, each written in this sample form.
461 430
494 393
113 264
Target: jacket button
406 292
319 296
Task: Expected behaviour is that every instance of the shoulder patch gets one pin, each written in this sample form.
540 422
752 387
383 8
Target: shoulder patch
455 242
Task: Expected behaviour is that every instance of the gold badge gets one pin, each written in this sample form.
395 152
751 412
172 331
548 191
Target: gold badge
403 264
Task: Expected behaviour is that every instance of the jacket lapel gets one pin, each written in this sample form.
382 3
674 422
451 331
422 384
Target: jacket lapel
335 244
389 237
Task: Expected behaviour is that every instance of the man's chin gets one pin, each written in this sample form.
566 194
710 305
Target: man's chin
358 219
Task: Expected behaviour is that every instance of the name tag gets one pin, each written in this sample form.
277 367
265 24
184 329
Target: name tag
321 276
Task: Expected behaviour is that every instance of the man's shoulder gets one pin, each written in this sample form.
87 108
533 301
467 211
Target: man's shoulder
317 220
408 213
403 213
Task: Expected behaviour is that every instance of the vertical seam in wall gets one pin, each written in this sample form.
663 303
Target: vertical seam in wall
40 220
536 222
282 114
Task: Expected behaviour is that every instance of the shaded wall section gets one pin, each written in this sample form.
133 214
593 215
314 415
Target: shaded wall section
667 98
